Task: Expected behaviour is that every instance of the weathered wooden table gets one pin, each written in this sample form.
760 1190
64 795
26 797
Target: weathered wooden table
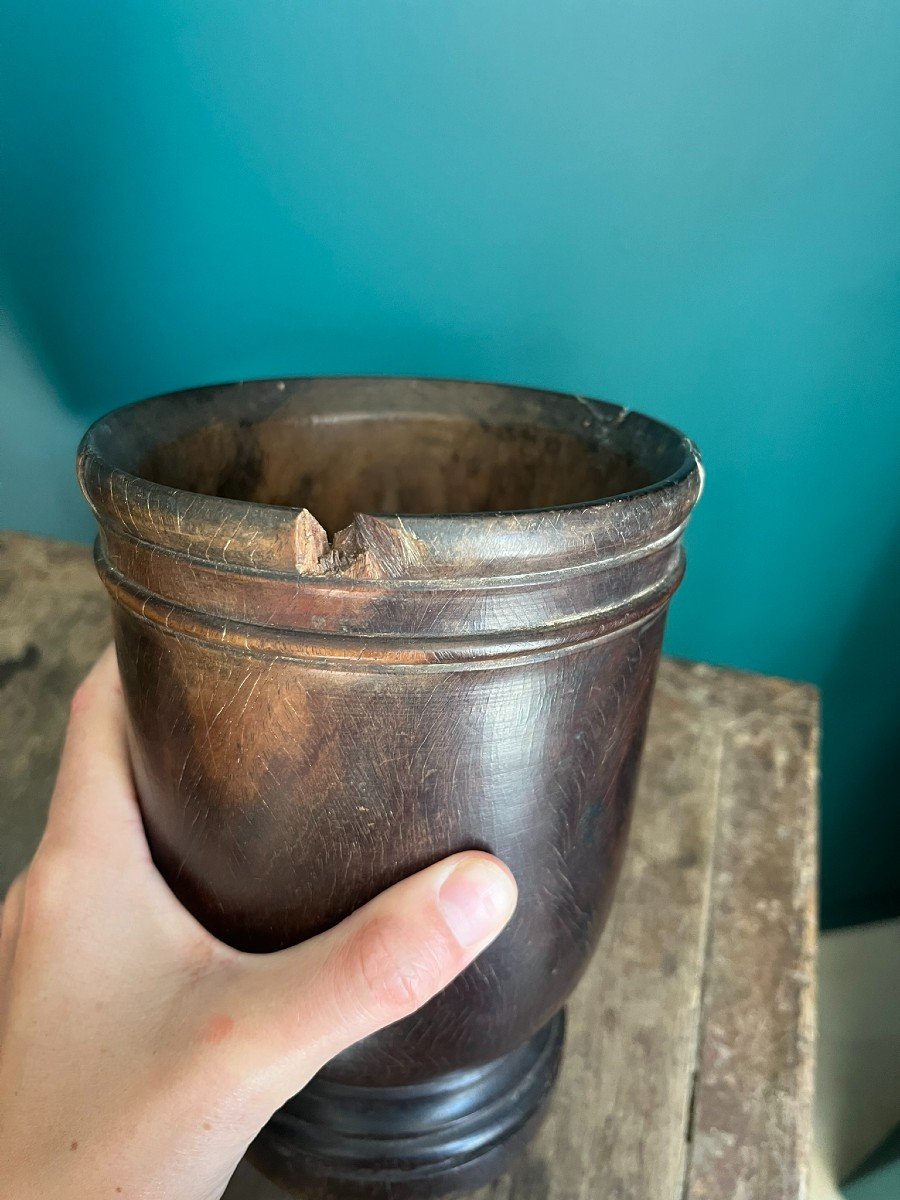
688 1070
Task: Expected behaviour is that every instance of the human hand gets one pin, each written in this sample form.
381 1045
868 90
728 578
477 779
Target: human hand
139 1056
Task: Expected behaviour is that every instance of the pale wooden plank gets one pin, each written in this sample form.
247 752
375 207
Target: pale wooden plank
753 1105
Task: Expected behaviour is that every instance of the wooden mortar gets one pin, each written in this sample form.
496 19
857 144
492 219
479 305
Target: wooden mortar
325 696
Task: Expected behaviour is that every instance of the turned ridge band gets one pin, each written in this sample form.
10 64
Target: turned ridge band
264 575
447 1129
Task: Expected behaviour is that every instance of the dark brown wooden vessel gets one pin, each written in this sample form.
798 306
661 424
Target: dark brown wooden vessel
326 696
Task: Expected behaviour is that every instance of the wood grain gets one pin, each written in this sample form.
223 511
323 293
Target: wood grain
688 1071
752 1111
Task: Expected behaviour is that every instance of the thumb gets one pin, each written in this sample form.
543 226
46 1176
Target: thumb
302 1006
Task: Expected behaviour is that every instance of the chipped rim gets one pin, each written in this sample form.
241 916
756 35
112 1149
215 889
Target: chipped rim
221 532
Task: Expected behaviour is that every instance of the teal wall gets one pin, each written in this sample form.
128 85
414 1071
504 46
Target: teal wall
691 208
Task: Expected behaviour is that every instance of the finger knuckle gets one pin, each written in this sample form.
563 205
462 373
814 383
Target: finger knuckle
11 906
392 971
14 892
46 885
80 700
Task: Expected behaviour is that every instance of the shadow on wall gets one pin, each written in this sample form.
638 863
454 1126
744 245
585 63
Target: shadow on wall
38 490
861 753
857 1101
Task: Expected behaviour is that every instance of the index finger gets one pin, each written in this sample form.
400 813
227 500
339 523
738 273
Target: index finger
94 794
